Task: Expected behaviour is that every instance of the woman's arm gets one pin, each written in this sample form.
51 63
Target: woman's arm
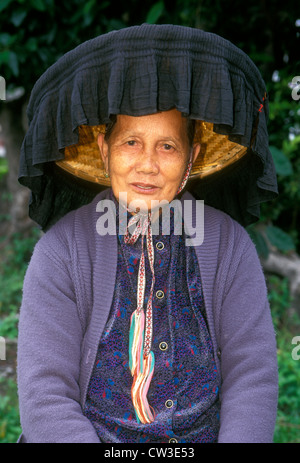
248 355
49 353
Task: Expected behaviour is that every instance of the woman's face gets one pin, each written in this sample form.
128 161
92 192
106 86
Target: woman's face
147 156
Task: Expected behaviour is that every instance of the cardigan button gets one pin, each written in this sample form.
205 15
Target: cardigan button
160 245
163 346
169 403
160 294
173 440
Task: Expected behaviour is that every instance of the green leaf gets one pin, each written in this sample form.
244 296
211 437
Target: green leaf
280 239
4 4
13 63
32 44
291 146
5 39
18 17
88 6
282 163
39 5
9 326
4 57
155 12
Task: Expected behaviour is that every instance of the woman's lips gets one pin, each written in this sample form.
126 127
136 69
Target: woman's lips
144 188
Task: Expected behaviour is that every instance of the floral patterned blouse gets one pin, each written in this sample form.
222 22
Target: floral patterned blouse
184 391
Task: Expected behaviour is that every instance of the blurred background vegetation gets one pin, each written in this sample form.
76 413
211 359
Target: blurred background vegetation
35 33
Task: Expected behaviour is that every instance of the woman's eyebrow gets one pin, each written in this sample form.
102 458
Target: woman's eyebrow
138 133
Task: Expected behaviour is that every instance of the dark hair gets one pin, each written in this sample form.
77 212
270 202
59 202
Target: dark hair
109 127
191 124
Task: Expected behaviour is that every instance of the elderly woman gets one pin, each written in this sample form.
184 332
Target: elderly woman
131 335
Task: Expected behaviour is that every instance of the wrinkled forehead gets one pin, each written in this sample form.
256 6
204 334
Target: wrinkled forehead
183 124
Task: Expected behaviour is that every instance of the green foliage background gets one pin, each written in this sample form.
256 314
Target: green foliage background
35 33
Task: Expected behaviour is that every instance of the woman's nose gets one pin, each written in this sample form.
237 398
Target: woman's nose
147 161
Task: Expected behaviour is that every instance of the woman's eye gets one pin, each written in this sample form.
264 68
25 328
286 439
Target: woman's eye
131 142
168 147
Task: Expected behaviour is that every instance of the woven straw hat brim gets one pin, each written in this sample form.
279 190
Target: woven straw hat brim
83 159
142 70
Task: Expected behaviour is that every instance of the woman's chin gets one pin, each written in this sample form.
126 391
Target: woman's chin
143 199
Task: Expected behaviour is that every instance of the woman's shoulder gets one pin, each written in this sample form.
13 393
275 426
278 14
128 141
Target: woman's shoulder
224 225
76 228
219 229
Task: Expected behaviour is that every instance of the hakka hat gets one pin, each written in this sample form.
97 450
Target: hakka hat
142 70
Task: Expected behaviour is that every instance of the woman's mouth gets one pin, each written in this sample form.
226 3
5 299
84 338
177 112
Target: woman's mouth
145 188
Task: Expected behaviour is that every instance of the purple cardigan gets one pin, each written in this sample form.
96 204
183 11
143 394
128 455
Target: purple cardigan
67 294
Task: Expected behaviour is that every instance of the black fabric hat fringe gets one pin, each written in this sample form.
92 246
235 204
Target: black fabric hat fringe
141 70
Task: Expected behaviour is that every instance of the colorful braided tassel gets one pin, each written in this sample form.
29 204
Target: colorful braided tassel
141 367
141 358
